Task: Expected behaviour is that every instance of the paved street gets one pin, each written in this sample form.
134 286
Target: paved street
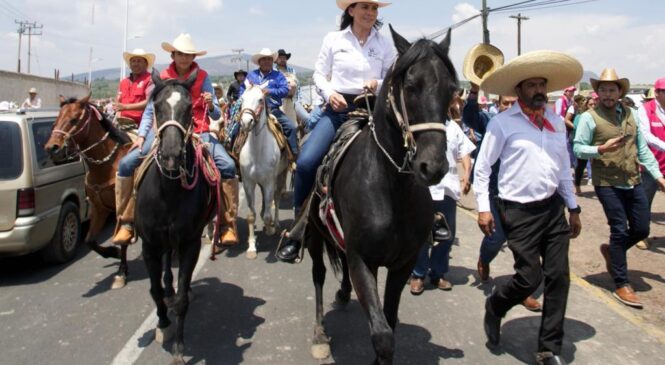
262 312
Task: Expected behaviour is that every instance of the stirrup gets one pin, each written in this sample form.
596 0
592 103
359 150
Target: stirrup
441 230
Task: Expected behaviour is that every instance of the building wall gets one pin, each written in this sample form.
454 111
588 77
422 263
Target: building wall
15 88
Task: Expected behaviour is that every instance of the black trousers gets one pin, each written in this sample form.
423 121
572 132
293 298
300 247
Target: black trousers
537 231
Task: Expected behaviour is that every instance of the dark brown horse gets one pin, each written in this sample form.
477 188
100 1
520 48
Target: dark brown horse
81 129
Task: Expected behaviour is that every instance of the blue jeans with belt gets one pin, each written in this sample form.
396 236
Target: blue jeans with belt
313 151
133 158
628 215
289 128
437 262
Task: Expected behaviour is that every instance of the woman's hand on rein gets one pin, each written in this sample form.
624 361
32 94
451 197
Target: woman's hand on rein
337 102
371 85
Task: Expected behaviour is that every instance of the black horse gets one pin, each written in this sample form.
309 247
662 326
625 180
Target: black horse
380 191
170 217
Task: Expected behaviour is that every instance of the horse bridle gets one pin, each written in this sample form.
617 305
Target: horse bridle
187 134
407 129
86 126
254 114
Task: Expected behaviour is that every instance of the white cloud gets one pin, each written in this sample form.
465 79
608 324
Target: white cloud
256 10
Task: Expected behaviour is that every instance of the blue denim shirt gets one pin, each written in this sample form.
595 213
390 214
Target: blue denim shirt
278 87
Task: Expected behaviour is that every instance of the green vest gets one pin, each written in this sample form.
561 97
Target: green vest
620 167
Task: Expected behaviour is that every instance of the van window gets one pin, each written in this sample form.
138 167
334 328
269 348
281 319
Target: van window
11 155
41 132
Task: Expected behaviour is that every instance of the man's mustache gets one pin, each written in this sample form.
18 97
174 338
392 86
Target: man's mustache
540 97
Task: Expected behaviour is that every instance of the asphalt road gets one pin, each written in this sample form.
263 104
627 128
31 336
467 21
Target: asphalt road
262 312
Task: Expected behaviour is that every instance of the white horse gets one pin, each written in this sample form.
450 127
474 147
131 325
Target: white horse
261 162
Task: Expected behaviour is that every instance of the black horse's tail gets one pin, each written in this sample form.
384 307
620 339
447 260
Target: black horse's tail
335 255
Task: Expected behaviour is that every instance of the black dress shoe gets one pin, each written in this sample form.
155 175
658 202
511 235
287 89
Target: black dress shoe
440 229
289 250
492 325
548 358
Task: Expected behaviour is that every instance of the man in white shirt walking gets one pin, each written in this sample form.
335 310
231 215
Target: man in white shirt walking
535 185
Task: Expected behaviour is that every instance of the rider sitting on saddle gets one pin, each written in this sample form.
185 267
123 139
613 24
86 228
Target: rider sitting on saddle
276 89
281 65
354 58
183 51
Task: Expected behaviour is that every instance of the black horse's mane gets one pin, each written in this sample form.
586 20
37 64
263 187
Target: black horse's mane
422 49
115 134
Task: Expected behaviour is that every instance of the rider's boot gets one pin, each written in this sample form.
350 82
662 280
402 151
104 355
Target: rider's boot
124 207
440 231
229 233
291 244
289 250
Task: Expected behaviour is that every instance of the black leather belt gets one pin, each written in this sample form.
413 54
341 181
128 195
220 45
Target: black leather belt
537 204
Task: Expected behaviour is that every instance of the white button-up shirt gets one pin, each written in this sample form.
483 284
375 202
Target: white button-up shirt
344 65
534 163
458 145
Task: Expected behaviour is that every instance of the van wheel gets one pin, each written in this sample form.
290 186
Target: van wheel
67 236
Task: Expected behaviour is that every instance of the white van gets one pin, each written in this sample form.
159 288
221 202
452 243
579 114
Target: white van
42 203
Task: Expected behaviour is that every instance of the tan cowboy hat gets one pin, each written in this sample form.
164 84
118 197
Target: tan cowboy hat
183 43
343 4
610 75
266 52
559 69
649 95
481 60
139 52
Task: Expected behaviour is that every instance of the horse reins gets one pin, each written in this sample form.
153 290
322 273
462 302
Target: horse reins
182 171
255 114
86 128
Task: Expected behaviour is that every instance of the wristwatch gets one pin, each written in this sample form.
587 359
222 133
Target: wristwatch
577 210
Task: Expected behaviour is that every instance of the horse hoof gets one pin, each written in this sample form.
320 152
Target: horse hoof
119 282
251 255
321 351
163 334
270 231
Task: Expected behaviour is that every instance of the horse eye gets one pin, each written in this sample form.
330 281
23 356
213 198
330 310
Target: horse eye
74 121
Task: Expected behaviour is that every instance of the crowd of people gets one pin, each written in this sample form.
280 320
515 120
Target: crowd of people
524 159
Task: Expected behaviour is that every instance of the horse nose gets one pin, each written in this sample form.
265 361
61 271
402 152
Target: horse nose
432 173
54 148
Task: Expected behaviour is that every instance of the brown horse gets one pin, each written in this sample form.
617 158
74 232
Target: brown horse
81 129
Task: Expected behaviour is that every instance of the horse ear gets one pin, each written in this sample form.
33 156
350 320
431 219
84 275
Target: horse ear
191 79
84 100
264 85
445 43
247 84
401 44
156 79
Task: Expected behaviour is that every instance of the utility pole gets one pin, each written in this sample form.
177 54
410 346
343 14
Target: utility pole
519 18
32 29
486 32
239 57
21 30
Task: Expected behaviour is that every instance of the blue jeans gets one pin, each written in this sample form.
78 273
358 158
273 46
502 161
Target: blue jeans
628 215
301 113
491 245
314 117
289 128
133 158
650 186
438 259
313 151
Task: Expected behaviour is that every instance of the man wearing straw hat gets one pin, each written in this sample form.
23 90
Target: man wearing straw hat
535 184
276 89
183 52
32 101
610 136
134 90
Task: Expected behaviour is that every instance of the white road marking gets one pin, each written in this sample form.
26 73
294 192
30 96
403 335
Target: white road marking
131 351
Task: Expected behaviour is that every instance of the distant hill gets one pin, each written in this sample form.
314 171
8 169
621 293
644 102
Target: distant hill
215 66
588 75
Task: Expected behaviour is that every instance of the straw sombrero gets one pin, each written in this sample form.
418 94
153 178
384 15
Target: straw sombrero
183 43
610 75
481 60
560 70
265 52
139 52
343 4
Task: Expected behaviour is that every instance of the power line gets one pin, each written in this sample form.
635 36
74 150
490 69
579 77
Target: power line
18 13
547 6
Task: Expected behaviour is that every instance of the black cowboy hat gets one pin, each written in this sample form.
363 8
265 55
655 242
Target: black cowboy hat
282 52
235 74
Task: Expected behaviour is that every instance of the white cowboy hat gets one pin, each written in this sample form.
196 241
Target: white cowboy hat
610 75
559 69
266 52
183 43
32 90
343 4
139 52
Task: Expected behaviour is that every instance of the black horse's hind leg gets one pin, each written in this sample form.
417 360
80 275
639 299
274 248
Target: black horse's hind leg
120 279
363 278
169 292
343 295
320 343
189 254
394 285
153 261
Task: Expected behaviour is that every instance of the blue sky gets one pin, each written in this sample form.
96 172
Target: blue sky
627 35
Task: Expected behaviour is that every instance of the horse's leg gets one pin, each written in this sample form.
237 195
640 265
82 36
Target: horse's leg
321 342
189 254
152 256
169 292
97 220
268 195
249 187
394 285
364 281
343 295
277 196
120 279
